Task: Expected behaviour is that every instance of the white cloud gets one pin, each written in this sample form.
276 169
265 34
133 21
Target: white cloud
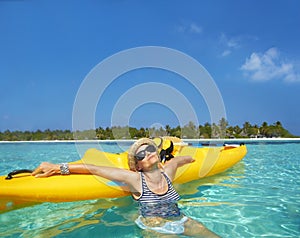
232 43
226 52
190 28
229 44
194 28
268 66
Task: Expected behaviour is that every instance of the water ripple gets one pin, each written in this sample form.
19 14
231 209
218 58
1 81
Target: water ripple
259 197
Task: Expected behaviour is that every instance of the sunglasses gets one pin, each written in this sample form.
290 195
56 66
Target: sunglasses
142 154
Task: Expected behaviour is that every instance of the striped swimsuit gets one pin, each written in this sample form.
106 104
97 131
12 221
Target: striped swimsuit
158 205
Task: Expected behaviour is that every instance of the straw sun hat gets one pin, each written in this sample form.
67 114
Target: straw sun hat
132 162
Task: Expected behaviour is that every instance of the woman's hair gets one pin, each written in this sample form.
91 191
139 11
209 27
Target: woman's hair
132 162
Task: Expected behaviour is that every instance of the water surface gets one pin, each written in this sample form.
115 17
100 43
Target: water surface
260 196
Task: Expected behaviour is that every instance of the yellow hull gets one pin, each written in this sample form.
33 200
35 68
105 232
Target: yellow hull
26 188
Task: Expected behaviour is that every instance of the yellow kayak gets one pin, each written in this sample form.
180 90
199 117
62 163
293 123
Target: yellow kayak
62 188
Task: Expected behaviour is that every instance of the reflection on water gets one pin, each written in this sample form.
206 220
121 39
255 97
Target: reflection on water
55 219
260 196
51 219
194 188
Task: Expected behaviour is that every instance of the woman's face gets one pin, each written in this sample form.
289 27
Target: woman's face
146 155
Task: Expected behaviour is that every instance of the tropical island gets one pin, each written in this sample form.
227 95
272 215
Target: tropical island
191 131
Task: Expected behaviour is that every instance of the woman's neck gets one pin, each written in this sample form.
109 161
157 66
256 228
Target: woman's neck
156 181
153 176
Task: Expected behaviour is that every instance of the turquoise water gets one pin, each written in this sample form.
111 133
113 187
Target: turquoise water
259 197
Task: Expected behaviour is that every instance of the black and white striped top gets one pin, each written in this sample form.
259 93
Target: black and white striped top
158 205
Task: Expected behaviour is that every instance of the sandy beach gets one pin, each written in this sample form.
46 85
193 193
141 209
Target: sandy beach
219 141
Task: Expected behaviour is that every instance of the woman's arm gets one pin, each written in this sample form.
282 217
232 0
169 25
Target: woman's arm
171 166
116 174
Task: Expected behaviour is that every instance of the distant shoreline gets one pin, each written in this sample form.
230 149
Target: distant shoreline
238 140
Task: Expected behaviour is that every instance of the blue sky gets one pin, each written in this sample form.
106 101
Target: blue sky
48 47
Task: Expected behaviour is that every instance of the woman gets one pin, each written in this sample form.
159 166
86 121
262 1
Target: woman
150 184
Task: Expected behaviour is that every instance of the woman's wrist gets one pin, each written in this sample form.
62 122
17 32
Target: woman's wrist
64 169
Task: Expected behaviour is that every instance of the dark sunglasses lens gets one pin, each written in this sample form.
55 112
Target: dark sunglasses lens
141 155
150 148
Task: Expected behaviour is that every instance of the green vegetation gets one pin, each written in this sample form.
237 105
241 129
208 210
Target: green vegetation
191 131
